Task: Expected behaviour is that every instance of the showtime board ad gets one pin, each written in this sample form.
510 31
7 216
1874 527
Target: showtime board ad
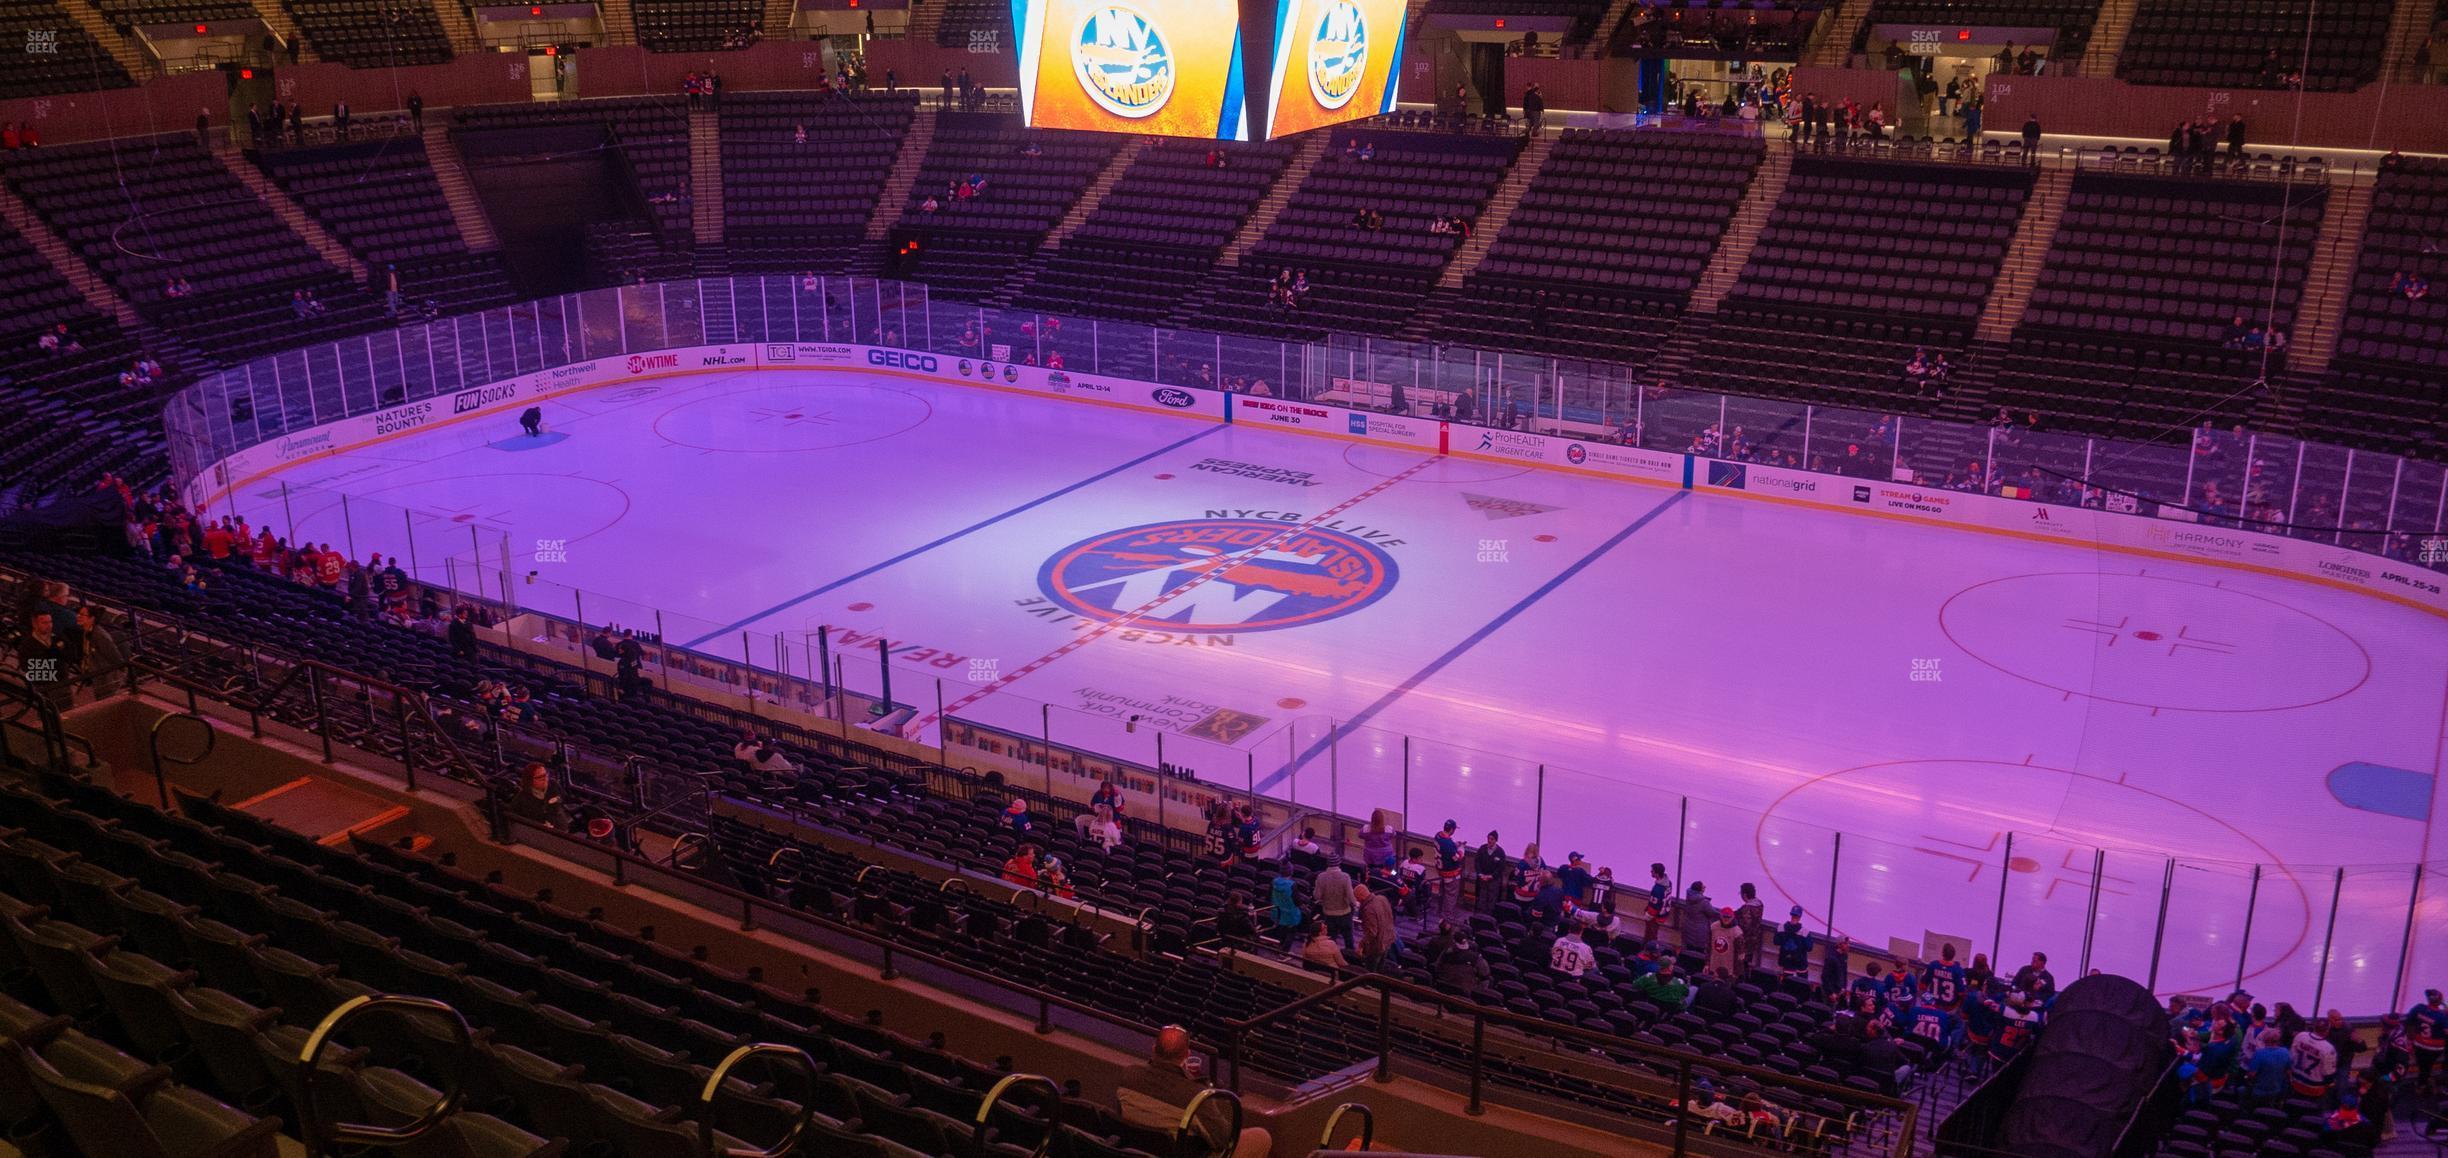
1156 67
1335 61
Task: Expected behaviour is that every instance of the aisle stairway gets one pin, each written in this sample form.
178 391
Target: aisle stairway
925 19
1837 27
2108 32
1616 13
2021 270
450 171
2329 282
619 23
914 146
1526 165
705 176
2409 23
291 214
1106 179
123 48
1733 249
457 25
285 26
778 17
1312 147
96 289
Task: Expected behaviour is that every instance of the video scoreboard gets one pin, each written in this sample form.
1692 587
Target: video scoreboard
1181 67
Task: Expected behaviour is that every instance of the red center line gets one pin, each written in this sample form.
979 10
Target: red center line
1142 611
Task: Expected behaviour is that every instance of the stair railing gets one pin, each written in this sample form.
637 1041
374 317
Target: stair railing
324 1137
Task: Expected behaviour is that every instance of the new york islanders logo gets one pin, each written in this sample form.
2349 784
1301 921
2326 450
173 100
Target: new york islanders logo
1338 53
1218 575
1123 61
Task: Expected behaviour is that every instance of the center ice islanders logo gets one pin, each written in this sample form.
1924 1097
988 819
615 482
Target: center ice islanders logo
1338 53
1124 63
1219 575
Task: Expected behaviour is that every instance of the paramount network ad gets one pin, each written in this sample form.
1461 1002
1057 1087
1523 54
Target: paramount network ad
1335 61
1158 67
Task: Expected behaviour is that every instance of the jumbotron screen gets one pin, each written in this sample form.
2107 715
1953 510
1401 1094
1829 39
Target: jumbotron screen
1335 61
1160 67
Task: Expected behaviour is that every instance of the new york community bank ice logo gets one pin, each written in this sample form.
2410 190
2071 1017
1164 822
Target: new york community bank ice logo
1124 62
1338 53
1218 578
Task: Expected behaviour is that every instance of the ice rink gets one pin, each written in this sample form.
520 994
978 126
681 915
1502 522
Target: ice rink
1638 673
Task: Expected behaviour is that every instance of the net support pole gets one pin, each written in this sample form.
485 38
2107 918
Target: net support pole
662 652
2337 891
2405 944
1682 830
1538 810
824 668
1334 770
1997 930
2167 887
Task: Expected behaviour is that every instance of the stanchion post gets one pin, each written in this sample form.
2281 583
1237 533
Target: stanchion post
2167 885
1538 809
2337 891
1682 830
2405 946
1406 781
2252 901
662 652
1997 931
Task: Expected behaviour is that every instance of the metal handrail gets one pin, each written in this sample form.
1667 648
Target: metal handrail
1189 1118
153 748
1387 987
1368 1125
316 1133
749 903
713 1087
1053 1122
50 726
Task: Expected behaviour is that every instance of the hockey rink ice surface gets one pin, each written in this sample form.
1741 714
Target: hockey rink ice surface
1585 662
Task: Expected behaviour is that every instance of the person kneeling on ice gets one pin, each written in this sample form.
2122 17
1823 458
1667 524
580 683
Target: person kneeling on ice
532 421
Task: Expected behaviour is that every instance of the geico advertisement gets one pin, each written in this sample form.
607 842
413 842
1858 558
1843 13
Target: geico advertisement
1163 67
1335 61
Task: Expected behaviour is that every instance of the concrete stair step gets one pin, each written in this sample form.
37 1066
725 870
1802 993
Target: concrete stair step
450 171
1278 195
705 176
122 48
1750 220
1526 165
2024 258
89 282
291 213
914 146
